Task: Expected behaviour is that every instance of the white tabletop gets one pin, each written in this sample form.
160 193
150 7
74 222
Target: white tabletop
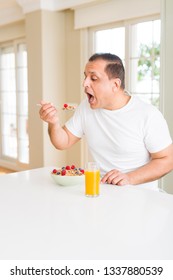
41 220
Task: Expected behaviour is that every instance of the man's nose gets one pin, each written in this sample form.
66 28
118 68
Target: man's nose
86 82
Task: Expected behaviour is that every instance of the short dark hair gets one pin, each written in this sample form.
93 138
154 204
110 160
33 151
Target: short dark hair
114 67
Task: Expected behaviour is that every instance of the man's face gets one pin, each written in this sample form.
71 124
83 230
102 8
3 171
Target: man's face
97 86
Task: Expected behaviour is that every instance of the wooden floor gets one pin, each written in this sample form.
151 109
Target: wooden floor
5 170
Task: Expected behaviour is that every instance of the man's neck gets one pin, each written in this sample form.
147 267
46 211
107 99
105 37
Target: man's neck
120 100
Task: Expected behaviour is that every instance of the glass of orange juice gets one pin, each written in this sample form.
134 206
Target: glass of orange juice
92 179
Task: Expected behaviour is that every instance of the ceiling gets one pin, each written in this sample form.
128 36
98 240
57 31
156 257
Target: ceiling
15 10
56 4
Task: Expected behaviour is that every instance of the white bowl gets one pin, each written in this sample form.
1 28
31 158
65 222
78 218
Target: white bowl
68 180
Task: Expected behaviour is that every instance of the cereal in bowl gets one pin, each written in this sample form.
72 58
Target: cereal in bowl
68 171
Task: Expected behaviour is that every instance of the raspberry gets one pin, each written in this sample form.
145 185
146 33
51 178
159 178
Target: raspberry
82 171
68 167
65 105
73 167
54 171
63 172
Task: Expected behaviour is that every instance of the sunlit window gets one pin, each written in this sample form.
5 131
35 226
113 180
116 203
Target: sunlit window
138 45
14 103
106 41
145 61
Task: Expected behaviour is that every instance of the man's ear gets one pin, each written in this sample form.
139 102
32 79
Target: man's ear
116 84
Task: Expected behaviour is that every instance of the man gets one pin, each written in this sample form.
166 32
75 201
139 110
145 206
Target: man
127 137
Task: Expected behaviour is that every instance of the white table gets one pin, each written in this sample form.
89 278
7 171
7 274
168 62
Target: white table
41 220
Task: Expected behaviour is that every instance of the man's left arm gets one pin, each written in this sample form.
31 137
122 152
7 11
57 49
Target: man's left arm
161 163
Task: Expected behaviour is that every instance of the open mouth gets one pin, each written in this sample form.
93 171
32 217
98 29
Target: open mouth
90 97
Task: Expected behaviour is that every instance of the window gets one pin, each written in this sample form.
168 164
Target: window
145 60
14 144
138 45
106 40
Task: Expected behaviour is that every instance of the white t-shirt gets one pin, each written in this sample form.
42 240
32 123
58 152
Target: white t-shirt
121 139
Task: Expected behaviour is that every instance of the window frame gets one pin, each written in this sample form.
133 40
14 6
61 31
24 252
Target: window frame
7 161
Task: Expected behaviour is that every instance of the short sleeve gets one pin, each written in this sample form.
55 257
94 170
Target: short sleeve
157 136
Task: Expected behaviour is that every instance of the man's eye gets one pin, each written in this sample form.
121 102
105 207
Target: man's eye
93 78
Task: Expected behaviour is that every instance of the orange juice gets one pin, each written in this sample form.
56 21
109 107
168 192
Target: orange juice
92 182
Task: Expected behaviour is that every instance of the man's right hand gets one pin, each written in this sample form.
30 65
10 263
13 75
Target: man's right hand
48 113
60 137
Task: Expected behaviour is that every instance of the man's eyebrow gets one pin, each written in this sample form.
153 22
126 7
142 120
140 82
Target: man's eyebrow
91 72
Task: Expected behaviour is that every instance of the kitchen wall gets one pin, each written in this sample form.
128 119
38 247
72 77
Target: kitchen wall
45 35
73 80
12 31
